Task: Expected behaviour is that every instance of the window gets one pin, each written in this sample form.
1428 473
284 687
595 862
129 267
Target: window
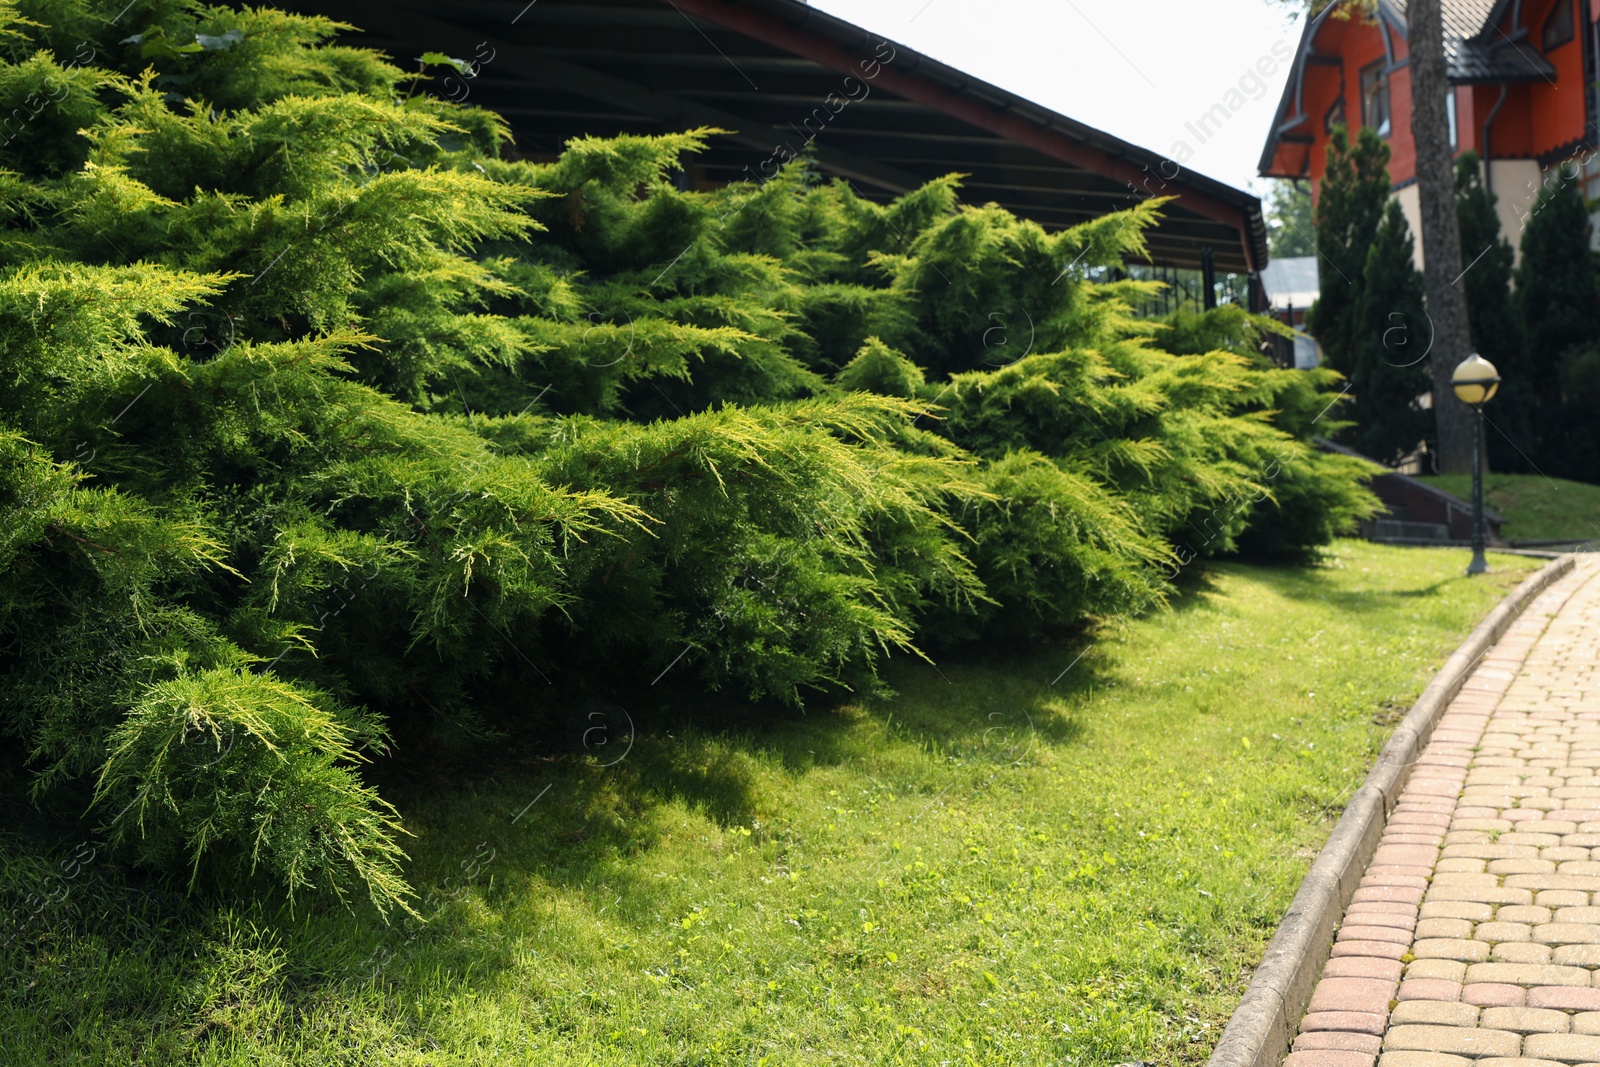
1558 27
1334 117
1450 116
1375 98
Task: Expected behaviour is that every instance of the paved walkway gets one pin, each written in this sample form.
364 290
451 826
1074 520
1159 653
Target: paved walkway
1474 940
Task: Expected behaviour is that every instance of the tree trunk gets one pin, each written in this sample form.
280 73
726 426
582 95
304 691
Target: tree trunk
1441 238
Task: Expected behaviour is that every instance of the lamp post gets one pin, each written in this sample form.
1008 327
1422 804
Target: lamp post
1476 381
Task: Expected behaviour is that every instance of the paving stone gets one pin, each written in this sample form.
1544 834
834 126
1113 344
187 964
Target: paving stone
1458 1040
1400 893
1445 928
1464 878
1537 882
1445 948
1374 932
1527 974
1418 818
1363 967
1486 851
1494 995
1387 949
1355 1022
1522 865
1564 998
1561 898
1471 910
1576 955
1330 1058
1587 1022
1568 1048
1526 913
1436 1013
1399 870
1485 894
1408 855
1338 1041
1352 994
1449 970
1418 880
1431 840
1430 989
1500 930
1384 907
1567 933
1409 1058
1527 1020
1565 852
1521 952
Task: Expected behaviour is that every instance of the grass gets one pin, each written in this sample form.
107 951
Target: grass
984 869
1536 508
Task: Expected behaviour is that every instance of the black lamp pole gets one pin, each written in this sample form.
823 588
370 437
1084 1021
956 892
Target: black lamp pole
1475 382
1479 535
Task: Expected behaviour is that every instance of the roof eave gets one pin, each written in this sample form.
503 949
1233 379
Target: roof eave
1280 116
1002 107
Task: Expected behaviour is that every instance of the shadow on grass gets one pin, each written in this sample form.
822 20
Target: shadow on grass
551 805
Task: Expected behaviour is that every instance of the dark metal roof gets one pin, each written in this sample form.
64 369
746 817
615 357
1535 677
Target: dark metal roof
763 68
1479 63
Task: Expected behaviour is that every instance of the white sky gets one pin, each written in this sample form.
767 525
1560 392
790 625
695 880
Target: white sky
1138 69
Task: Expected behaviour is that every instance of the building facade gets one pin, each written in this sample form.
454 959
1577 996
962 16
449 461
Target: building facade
1521 95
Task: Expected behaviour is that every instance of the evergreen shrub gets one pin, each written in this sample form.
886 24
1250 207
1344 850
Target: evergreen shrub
324 413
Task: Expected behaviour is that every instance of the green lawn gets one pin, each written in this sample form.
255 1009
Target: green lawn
1536 508
984 869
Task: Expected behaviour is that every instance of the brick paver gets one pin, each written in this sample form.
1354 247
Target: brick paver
1474 937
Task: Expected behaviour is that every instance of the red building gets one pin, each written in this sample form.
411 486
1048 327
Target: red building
1520 76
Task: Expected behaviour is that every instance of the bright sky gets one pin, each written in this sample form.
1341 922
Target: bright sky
1143 70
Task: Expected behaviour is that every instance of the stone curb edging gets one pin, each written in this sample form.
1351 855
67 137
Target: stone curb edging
1263 1025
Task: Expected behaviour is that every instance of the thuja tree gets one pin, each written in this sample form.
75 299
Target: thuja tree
323 419
1390 369
1370 318
1496 329
1349 208
1558 298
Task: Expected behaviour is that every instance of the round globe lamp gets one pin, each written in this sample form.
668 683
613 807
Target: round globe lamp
1475 382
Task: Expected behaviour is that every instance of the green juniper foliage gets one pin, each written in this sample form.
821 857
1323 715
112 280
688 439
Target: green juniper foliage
322 416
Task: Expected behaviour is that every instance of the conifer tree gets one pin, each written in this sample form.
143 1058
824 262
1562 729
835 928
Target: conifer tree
1496 331
1350 205
1391 368
1560 308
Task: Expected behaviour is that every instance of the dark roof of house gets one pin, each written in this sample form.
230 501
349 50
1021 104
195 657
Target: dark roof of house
1476 52
762 68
